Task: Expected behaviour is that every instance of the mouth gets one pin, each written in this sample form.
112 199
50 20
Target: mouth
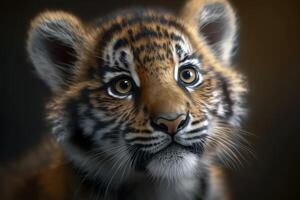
174 150
176 147
193 147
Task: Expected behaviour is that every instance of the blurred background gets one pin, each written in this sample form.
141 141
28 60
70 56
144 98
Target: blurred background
269 56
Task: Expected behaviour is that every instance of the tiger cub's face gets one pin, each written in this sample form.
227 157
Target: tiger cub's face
141 90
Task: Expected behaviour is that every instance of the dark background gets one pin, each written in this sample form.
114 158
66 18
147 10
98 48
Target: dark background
269 55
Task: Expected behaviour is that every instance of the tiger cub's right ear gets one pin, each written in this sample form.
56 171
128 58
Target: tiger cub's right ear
216 22
54 45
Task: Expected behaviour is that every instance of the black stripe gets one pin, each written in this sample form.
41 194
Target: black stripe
179 51
148 32
148 145
120 43
101 125
153 19
118 27
84 142
193 56
111 69
113 135
145 32
176 37
227 100
153 46
197 137
133 130
77 137
198 129
123 59
144 139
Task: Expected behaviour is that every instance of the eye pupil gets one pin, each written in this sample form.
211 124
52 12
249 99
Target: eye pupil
124 84
187 74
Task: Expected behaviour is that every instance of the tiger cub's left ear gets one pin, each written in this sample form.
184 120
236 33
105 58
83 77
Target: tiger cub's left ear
55 42
215 20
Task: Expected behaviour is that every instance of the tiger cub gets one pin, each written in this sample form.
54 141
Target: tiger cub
145 104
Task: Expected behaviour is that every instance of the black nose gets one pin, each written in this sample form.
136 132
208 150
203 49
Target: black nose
170 123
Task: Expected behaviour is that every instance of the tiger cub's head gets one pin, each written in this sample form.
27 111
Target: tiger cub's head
141 90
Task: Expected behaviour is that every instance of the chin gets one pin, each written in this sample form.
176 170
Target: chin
173 163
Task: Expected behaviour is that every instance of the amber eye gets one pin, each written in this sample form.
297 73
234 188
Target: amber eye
123 86
188 75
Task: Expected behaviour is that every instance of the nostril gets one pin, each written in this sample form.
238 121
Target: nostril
163 127
182 124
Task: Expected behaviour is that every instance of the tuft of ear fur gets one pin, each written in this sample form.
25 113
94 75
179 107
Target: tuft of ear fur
215 20
54 45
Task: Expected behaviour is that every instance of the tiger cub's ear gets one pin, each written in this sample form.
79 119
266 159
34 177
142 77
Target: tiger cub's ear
215 20
54 44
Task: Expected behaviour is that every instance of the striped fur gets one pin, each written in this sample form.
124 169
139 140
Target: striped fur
108 136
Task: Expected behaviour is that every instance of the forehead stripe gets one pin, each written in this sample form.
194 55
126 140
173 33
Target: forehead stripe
192 57
118 27
146 32
123 59
106 68
150 19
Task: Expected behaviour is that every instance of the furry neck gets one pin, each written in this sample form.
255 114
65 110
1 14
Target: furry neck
106 179
139 185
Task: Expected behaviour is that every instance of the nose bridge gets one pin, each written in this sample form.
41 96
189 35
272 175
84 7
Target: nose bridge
165 100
